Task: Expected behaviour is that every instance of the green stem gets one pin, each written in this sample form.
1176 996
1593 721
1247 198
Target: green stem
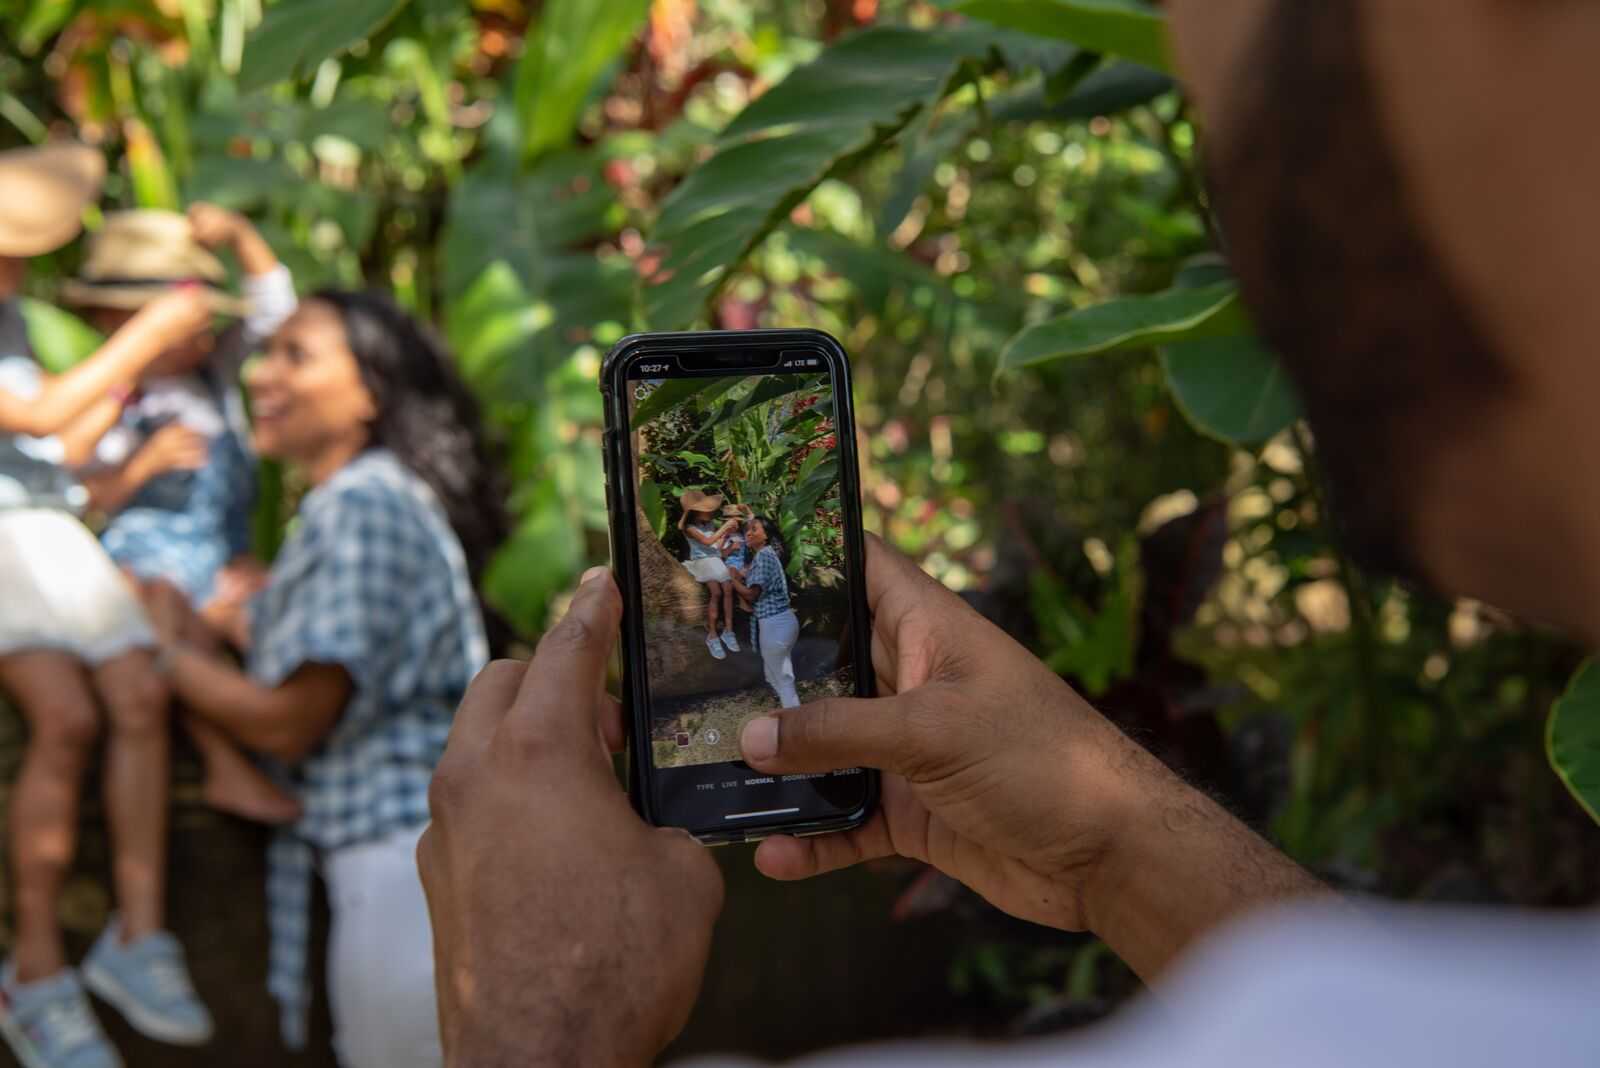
1363 630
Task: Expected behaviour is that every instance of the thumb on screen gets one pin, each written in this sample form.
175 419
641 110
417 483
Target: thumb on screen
834 733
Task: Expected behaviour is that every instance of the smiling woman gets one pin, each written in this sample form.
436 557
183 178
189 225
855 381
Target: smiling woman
361 646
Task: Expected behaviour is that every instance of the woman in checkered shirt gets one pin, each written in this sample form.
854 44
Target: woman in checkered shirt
774 628
362 645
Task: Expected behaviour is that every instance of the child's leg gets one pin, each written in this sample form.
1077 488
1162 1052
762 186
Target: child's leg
727 606
138 780
233 784
712 604
53 694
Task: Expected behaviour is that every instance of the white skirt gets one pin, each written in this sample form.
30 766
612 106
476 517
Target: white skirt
709 569
60 591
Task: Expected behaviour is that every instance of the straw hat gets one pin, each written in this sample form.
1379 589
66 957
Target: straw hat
138 255
43 194
738 511
696 501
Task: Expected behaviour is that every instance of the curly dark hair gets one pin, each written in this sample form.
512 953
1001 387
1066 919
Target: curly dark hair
430 420
774 537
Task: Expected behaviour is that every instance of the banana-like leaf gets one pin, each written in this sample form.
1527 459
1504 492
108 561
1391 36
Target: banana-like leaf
153 183
295 36
1572 738
668 395
1128 28
521 291
572 46
1130 323
853 98
59 339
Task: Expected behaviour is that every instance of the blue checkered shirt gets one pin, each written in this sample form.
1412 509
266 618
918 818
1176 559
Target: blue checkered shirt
766 571
373 580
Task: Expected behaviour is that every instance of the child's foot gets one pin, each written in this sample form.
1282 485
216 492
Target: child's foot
239 788
147 981
730 641
48 1023
716 647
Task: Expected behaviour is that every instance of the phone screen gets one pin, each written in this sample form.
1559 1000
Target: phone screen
745 580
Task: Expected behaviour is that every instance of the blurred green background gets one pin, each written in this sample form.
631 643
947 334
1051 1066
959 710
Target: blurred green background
996 206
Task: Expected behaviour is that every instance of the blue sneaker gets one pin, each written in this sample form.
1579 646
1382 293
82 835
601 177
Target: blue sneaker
48 1023
148 983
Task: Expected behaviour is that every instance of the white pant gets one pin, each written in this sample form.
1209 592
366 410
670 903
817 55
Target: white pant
778 635
380 956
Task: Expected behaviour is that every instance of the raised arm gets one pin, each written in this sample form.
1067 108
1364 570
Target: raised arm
216 227
165 321
714 539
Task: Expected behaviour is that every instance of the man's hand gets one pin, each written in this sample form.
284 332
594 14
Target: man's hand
566 931
1001 776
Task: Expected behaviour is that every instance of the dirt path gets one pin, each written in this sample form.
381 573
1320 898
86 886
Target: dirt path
713 724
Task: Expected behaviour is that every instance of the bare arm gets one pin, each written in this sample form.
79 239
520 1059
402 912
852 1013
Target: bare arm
286 721
704 538
80 436
119 362
216 227
172 448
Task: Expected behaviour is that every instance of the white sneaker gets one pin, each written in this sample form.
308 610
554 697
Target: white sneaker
716 647
730 641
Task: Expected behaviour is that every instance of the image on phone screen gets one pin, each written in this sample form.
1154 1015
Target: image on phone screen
746 607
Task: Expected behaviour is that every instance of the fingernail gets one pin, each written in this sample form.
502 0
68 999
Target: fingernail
760 738
594 573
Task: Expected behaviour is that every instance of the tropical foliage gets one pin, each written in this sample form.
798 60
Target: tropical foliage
996 205
766 443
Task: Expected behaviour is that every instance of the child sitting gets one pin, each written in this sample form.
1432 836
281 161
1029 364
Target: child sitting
733 549
174 473
705 563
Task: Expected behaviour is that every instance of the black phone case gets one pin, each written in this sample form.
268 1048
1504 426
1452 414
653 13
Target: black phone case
624 532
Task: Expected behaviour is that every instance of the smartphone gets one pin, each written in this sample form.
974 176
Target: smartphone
735 504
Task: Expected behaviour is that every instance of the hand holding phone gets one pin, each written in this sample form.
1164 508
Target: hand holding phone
736 537
565 929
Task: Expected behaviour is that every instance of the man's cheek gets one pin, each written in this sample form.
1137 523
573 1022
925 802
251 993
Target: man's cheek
1210 41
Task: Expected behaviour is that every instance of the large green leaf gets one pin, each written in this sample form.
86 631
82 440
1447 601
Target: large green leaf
854 97
537 562
297 35
1231 388
241 184
528 229
1127 28
574 42
1572 738
59 339
490 322
40 23
669 394
1130 323
525 219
